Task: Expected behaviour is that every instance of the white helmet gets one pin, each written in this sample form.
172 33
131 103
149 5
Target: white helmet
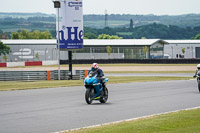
198 66
95 67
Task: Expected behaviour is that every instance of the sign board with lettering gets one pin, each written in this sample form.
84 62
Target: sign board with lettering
70 17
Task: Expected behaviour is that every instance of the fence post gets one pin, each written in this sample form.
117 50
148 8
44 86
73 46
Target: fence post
86 73
48 75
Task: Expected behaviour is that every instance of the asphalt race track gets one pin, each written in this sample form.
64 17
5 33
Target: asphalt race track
58 109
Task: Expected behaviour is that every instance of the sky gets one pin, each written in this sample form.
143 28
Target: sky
156 7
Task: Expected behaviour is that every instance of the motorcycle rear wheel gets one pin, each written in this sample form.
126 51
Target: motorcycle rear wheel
199 87
104 96
89 96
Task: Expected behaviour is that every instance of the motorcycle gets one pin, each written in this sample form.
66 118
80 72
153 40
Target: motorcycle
91 82
198 79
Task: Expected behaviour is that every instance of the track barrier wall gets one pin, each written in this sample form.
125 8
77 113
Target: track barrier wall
33 63
3 64
142 61
40 75
28 63
103 61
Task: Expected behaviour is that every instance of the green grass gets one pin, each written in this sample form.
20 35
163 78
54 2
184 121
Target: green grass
20 85
23 85
149 71
178 122
131 79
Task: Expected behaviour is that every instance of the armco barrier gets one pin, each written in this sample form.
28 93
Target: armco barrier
144 61
22 75
40 75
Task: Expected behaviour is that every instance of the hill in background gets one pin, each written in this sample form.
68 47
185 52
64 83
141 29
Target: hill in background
149 26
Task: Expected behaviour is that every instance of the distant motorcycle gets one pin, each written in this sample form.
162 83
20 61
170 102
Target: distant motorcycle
198 79
90 82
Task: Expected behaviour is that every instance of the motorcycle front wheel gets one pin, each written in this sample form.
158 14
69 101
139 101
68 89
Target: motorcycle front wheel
199 86
89 96
104 96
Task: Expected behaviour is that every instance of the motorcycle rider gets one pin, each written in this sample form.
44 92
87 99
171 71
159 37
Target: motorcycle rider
100 76
197 71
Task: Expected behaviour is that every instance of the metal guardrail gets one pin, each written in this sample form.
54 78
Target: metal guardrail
64 74
40 75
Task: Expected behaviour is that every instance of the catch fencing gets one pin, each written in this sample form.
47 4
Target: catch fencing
41 75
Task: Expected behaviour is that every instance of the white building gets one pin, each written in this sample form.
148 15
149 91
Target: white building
26 50
174 48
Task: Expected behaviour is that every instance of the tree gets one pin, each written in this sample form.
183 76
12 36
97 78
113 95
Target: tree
109 50
145 50
31 35
15 35
196 37
4 49
183 50
143 38
44 35
5 58
4 35
37 56
105 36
90 35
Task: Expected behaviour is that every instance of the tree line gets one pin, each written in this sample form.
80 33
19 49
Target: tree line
150 31
24 34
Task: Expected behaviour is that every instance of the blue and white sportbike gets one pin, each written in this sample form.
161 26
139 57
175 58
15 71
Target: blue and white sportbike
95 88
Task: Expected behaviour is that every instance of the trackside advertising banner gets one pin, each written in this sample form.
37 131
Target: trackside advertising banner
70 17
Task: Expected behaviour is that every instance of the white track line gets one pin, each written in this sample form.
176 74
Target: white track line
126 120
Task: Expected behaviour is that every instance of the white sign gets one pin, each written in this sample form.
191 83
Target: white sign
70 17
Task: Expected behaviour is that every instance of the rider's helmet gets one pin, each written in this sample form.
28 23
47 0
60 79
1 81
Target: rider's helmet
198 66
95 67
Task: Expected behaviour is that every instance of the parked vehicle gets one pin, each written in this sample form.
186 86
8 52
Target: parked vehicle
91 84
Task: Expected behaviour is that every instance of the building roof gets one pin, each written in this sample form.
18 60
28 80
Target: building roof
88 42
29 42
122 42
183 41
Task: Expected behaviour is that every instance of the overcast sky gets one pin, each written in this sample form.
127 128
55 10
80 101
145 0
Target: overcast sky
157 7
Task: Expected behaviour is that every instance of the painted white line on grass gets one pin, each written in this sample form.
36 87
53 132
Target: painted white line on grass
127 120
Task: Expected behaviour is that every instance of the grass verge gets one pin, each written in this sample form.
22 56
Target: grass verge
149 71
178 122
131 79
20 85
